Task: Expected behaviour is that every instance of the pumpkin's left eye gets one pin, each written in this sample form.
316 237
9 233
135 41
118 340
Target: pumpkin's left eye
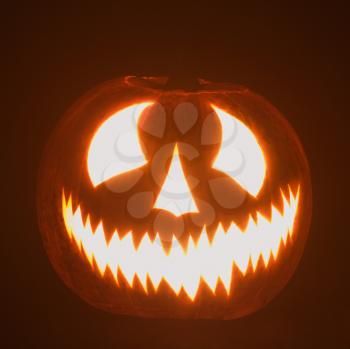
115 147
240 147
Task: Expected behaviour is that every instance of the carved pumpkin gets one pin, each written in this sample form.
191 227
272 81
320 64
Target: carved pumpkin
165 202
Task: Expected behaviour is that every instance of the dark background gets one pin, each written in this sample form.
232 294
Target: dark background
295 56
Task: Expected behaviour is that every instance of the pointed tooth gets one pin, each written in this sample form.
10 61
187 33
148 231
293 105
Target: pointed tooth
127 258
240 247
113 254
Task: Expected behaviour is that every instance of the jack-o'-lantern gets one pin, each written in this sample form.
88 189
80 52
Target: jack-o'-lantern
158 201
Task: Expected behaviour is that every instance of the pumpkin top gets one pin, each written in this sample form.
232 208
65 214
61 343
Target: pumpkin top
180 84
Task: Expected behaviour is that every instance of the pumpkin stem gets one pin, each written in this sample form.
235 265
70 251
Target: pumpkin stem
182 82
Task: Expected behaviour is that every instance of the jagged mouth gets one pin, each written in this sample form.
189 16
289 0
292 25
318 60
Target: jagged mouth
184 268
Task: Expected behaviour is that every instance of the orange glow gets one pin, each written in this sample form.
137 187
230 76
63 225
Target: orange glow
184 268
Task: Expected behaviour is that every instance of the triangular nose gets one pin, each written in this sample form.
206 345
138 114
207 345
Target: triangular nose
175 195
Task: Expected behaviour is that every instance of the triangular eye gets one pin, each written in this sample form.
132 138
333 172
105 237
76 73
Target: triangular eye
115 147
240 155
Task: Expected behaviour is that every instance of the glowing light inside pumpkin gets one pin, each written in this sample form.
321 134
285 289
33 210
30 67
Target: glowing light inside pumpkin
115 147
175 195
237 137
184 268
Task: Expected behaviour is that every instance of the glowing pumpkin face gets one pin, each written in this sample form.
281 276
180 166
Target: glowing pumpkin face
174 203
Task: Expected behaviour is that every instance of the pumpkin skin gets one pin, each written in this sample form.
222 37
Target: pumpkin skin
65 183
